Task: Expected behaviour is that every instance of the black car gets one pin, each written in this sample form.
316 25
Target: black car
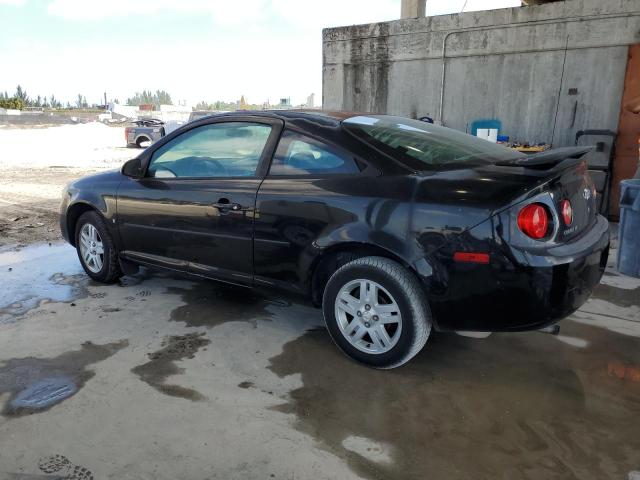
394 226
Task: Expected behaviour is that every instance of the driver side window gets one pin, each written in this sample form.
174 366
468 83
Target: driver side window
231 149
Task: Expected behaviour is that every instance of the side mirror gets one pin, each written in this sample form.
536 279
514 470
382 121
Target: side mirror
133 168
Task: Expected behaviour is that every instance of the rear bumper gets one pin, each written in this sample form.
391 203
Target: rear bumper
521 291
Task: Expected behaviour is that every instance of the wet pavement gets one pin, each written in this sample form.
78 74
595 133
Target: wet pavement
63 277
166 377
36 384
162 364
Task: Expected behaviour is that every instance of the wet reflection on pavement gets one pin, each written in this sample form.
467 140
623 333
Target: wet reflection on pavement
520 405
523 405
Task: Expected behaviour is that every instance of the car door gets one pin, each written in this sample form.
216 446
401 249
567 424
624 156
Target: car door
194 208
310 190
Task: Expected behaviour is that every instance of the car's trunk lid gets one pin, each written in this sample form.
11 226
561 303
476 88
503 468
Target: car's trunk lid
567 180
491 188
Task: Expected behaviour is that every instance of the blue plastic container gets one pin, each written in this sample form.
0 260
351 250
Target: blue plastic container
629 233
485 123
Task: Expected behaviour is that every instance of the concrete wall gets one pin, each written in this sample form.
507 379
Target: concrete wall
516 65
36 119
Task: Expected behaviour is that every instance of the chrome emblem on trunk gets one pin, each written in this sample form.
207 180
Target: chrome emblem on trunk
586 193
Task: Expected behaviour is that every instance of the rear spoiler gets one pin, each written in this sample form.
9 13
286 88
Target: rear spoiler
548 158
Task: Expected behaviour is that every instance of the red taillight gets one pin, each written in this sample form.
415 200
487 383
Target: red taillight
533 220
567 212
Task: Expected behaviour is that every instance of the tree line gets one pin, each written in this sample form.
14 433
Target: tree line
21 100
220 105
160 97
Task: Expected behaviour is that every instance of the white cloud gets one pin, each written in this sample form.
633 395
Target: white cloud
301 12
222 12
439 7
236 12
14 3
331 13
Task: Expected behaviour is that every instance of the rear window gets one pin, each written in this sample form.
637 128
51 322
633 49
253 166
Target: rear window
424 146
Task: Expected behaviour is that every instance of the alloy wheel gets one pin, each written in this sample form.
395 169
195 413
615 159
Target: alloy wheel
91 248
368 316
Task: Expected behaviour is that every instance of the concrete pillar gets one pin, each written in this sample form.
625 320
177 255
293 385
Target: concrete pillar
413 8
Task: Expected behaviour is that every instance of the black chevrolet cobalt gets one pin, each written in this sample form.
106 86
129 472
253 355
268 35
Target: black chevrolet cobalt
393 226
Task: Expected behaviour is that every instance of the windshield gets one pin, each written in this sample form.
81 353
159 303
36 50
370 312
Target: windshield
424 146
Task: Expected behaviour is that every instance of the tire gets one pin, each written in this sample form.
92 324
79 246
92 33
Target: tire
400 307
141 140
106 270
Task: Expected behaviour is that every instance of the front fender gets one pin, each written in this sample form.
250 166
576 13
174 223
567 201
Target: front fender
95 192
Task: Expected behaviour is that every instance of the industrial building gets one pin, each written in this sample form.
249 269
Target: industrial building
542 72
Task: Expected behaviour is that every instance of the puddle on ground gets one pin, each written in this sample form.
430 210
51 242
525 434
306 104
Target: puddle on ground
208 304
161 364
368 449
36 273
622 297
37 384
509 406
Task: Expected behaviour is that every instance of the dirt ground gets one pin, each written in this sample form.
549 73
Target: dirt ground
37 161
30 202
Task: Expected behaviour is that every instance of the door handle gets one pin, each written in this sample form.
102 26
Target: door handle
225 204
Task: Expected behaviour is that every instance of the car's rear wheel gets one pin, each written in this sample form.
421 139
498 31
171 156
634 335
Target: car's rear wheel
96 249
376 311
143 142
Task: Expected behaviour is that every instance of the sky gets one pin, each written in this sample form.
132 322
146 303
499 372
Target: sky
194 49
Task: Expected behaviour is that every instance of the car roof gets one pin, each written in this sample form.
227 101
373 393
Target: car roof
322 124
333 117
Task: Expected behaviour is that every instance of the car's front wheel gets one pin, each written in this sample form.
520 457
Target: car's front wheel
376 311
96 249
